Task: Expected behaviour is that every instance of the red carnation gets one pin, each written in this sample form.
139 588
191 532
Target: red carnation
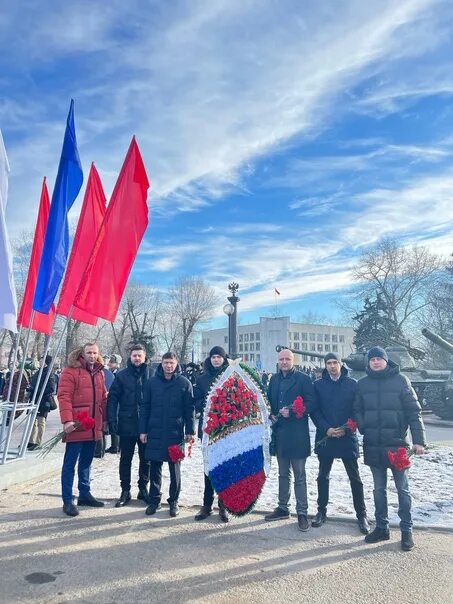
298 407
175 453
399 459
351 425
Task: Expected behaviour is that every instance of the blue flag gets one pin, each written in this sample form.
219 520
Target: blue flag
56 243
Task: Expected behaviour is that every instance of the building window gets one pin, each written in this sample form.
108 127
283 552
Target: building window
334 338
313 347
258 358
334 348
312 337
304 346
327 337
252 347
252 357
246 337
252 337
241 337
225 339
246 347
241 347
296 335
257 346
246 357
257 336
319 337
304 336
342 339
327 347
319 347
296 346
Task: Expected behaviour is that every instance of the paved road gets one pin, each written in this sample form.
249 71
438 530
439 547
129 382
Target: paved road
112 556
438 433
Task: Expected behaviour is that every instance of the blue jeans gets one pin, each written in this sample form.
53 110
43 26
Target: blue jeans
84 452
380 497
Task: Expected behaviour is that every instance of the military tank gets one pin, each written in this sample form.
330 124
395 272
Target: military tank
402 355
440 388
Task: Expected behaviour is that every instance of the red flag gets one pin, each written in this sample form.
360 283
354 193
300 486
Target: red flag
41 322
117 245
276 291
88 227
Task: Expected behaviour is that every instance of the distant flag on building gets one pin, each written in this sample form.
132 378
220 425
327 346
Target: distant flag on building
276 291
117 245
56 244
8 301
41 322
91 217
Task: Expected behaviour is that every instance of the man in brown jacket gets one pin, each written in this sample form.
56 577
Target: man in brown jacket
81 389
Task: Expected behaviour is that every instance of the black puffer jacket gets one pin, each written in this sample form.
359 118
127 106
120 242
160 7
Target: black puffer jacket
202 387
292 436
125 397
167 413
45 404
385 407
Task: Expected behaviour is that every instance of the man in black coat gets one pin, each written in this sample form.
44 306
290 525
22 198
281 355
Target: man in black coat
167 417
385 407
213 366
334 399
114 366
45 406
291 435
123 404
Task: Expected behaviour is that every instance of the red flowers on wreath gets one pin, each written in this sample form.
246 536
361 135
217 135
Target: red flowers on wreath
399 459
299 407
232 403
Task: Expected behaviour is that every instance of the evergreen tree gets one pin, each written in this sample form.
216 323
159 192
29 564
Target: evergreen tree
375 326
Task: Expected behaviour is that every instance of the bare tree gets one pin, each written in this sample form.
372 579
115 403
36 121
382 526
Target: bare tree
190 301
404 277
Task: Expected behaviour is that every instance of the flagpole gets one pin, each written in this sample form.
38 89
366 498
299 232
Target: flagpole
16 397
33 412
5 414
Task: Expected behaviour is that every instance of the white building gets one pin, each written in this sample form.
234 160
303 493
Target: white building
257 342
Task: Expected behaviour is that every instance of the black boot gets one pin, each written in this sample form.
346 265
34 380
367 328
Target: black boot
407 542
143 494
70 509
174 509
204 512
378 534
223 512
124 499
319 519
364 527
90 501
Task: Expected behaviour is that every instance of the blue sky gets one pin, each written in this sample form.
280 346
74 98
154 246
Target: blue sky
281 138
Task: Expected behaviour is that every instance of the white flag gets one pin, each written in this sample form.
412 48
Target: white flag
8 301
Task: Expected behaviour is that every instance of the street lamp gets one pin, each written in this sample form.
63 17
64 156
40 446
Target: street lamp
231 311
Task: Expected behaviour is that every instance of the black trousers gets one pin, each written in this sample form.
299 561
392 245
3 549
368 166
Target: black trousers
127 444
155 493
208 495
352 469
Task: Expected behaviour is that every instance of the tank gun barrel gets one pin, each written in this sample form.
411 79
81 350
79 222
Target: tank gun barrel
304 353
430 335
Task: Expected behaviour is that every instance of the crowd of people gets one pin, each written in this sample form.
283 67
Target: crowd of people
149 413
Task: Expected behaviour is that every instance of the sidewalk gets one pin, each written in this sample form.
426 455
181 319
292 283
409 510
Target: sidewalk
121 555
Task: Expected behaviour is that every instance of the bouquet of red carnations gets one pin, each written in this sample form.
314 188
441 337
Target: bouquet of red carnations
82 420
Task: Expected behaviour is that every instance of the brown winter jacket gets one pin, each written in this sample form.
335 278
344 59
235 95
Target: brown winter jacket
81 390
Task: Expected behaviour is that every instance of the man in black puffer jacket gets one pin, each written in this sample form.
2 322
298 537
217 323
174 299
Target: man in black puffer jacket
123 403
334 399
213 366
167 417
385 407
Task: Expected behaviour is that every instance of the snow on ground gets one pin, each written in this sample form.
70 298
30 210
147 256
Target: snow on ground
431 484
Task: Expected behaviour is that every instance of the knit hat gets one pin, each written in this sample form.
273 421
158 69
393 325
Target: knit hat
332 356
218 350
116 358
377 351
